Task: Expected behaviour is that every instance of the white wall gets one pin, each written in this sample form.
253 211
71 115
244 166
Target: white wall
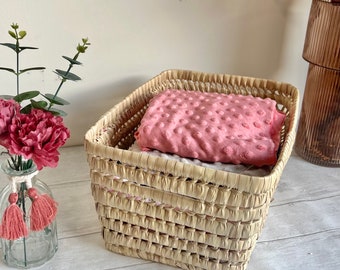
134 40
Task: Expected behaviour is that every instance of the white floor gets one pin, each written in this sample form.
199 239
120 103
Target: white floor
302 230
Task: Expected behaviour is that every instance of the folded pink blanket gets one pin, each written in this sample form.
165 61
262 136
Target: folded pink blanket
212 127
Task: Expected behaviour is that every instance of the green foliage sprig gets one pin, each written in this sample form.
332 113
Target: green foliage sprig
49 100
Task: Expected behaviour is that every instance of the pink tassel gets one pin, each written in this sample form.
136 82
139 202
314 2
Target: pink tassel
43 210
13 226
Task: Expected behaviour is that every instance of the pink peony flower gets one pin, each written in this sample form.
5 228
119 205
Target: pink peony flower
37 136
8 109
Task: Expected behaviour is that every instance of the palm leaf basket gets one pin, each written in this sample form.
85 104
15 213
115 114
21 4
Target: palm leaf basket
183 215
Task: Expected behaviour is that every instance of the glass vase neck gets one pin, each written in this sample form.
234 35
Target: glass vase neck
7 169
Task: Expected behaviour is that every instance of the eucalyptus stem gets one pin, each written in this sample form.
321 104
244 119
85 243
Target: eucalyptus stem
49 99
67 72
17 73
17 51
63 80
80 49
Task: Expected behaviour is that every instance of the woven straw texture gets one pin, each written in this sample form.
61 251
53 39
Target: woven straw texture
166 211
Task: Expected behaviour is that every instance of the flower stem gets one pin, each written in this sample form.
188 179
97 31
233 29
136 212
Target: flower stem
17 163
23 205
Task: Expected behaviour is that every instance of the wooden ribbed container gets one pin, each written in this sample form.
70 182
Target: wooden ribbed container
318 134
322 42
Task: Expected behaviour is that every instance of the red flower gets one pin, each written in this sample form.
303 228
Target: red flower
8 109
37 136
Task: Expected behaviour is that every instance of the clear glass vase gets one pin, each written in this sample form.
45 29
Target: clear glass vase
38 246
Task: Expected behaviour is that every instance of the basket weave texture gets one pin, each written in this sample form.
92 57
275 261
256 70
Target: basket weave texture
183 215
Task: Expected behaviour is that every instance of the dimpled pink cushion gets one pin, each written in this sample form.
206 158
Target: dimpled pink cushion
212 127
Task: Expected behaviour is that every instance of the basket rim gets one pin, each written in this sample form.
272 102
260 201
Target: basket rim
196 171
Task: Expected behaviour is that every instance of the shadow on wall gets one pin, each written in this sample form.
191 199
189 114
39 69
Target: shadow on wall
259 38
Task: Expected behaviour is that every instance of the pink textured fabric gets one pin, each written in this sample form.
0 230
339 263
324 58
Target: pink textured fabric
212 127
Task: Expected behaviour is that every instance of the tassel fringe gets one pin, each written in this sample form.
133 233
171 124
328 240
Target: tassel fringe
42 213
43 210
13 225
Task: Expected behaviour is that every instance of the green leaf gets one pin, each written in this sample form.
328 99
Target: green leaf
26 95
39 104
57 112
72 61
12 34
10 45
26 109
27 47
22 34
67 75
81 48
56 100
8 69
14 26
32 68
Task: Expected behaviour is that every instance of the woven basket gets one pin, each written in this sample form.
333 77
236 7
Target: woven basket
187 216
